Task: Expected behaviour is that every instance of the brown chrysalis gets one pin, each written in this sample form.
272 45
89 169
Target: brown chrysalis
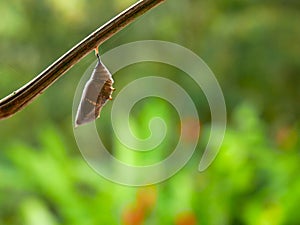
96 92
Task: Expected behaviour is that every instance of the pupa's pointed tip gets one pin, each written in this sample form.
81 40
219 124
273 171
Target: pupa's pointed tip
77 123
83 121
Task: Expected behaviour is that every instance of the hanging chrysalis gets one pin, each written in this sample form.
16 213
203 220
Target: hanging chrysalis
96 92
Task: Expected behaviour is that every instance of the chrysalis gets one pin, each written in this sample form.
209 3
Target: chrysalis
96 92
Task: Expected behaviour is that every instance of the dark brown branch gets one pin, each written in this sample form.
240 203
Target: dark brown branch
23 96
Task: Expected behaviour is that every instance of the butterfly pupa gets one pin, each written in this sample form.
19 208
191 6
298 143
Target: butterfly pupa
96 93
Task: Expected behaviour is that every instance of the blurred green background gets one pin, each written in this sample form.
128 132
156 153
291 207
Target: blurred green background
252 47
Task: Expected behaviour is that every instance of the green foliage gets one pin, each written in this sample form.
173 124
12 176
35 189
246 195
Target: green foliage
251 182
252 47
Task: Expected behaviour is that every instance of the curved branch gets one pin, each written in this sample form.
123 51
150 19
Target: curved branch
26 94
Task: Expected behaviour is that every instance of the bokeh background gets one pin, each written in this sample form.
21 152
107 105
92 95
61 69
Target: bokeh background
253 49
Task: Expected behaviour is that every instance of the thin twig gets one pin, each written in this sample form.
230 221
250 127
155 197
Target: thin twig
23 96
